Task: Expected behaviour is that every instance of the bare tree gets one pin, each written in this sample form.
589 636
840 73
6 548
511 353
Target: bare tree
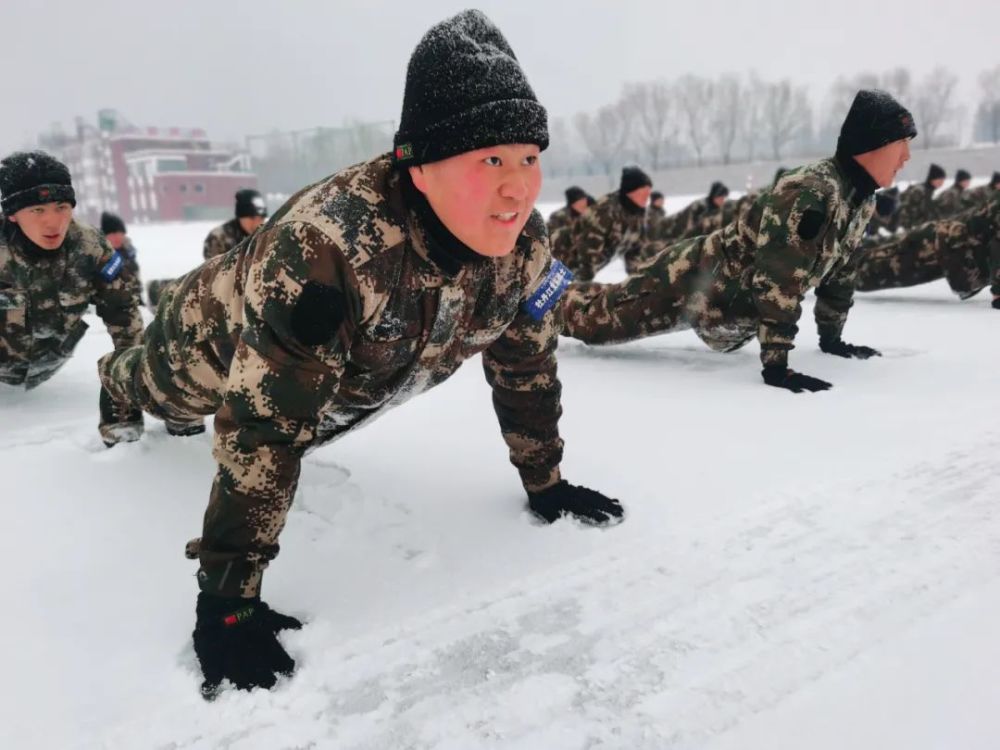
932 103
899 83
787 114
604 134
694 95
751 113
726 113
650 107
989 106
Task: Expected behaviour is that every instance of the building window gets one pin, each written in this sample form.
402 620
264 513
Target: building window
199 188
183 188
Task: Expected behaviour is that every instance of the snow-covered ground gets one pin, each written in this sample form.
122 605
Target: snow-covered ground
796 571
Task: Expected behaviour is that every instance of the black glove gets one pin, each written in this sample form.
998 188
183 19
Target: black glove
996 303
842 349
235 639
796 382
584 504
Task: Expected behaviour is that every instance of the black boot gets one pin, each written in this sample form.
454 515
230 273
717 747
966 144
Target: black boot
118 424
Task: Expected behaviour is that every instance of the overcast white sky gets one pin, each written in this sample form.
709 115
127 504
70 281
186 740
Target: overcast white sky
245 67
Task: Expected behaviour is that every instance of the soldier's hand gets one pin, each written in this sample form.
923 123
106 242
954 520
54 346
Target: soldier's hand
796 382
235 640
582 503
841 348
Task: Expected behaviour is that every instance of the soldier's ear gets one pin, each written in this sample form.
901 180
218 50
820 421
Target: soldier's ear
13 219
419 178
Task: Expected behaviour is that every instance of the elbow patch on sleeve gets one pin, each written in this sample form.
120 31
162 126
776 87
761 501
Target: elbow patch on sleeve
811 222
318 314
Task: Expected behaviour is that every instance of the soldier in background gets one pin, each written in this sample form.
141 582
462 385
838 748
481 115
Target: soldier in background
749 278
577 203
964 250
955 199
250 213
916 205
113 229
982 194
886 216
656 213
363 290
615 225
699 218
51 270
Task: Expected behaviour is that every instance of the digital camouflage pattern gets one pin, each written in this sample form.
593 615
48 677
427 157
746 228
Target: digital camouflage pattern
45 294
223 238
330 314
917 206
219 241
953 201
964 250
746 279
606 230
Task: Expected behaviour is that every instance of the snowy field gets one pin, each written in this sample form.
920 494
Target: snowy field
807 572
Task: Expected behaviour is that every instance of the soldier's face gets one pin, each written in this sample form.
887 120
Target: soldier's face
46 224
964 184
640 196
116 240
883 164
580 206
484 197
936 183
250 224
719 200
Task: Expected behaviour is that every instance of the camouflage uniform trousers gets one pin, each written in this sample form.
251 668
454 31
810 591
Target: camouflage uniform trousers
678 289
964 250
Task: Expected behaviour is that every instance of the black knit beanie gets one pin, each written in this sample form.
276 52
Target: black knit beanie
962 175
717 190
249 203
875 119
634 178
936 173
30 178
574 193
465 90
111 223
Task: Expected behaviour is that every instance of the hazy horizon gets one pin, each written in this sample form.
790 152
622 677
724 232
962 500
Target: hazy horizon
242 68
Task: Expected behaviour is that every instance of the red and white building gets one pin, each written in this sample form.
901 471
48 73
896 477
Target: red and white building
149 174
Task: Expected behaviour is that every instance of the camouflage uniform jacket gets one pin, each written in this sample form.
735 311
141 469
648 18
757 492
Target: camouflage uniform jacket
803 233
561 217
337 309
606 230
980 196
916 205
703 218
655 215
44 295
953 201
224 238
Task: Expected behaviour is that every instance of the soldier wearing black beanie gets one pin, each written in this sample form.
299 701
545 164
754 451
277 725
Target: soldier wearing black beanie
465 90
